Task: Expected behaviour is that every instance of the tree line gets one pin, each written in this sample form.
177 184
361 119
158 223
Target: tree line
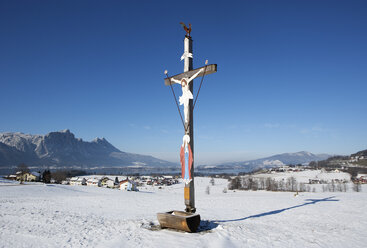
290 184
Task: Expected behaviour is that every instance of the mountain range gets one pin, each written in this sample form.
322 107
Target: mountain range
278 160
62 150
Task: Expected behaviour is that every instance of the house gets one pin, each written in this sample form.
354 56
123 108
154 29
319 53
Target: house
36 176
107 182
283 168
361 178
110 183
78 181
128 185
19 176
12 177
27 176
94 182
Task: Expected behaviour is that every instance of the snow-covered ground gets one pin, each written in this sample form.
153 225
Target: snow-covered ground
37 215
7 182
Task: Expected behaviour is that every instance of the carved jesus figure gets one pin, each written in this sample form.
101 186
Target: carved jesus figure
186 159
186 93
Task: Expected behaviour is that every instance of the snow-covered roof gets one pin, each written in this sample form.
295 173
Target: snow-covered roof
35 174
76 179
93 180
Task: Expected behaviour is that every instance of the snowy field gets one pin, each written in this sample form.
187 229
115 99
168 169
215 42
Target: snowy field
7 182
37 215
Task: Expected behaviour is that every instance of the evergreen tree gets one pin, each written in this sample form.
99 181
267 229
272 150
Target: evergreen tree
46 176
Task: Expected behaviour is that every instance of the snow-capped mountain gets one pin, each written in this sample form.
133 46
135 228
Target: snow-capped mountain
278 160
62 149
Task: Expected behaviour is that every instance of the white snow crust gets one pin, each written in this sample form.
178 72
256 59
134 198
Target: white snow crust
37 215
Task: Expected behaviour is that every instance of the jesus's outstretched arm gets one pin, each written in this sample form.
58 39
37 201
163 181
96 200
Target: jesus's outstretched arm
175 81
195 75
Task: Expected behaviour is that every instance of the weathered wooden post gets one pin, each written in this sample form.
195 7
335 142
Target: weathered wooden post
189 191
188 220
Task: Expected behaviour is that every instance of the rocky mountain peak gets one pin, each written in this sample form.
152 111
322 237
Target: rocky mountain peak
61 148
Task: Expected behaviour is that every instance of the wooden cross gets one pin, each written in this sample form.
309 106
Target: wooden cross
209 70
189 191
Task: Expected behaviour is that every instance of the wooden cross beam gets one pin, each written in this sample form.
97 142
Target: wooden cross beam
209 70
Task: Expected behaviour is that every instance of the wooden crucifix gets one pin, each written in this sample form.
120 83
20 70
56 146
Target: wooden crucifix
185 79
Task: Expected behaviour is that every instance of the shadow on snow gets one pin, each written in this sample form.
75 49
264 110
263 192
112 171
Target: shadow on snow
309 202
206 226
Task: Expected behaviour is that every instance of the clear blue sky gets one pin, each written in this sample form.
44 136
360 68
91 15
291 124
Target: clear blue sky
291 74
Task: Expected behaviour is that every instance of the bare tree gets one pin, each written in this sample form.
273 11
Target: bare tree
345 187
308 188
302 187
332 186
274 185
281 185
254 184
324 188
207 190
245 183
262 183
46 176
291 184
212 181
339 187
59 176
250 182
268 183
22 169
235 183
357 187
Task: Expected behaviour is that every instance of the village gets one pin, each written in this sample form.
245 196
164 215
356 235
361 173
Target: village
304 176
128 183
